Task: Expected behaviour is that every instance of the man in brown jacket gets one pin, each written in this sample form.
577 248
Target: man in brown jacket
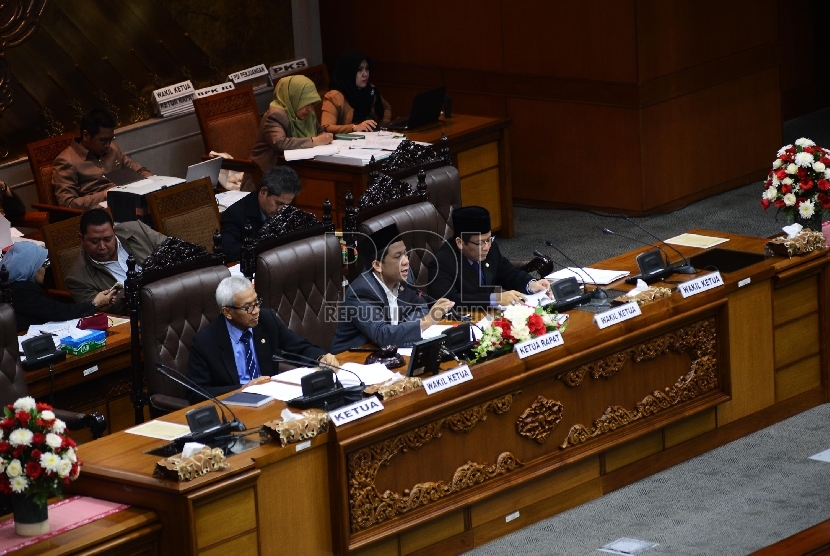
103 258
79 172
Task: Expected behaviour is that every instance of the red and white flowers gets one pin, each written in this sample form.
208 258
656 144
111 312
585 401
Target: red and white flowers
519 323
799 183
36 457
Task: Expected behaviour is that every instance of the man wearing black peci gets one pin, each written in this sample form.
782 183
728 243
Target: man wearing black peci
239 345
378 307
471 271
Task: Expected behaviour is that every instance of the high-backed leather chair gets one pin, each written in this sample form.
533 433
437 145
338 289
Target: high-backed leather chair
187 211
42 155
63 243
170 301
443 189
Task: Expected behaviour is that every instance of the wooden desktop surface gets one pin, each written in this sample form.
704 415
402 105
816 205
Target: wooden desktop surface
443 471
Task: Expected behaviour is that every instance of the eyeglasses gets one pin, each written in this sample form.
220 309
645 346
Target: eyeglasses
489 241
46 264
248 308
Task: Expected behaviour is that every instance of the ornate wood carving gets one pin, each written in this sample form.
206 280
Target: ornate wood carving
383 189
189 197
226 104
368 507
539 420
409 156
697 339
700 379
289 219
172 253
18 20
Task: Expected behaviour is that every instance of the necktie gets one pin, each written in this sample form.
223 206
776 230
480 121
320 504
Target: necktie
251 370
477 266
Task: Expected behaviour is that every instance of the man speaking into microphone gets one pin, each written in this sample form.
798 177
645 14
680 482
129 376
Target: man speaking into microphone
471 270
239 345
381 306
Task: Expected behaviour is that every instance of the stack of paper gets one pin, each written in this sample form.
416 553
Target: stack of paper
306 154
228 198
587 275
353 157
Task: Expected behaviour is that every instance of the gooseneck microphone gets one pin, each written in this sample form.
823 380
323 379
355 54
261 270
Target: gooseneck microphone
321 388
598 292
653 267
453 314
296 359
235 424
685 268
640 241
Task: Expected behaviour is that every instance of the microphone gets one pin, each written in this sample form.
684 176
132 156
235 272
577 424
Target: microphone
598 292
685 268
236 424
305 361
336 395
453 314
649 271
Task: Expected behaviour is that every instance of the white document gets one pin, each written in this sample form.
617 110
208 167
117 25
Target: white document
226 199
406 352
375 143
293 376
589 275
376 373
276 390
435 330
5 232
305 154
160 429
821 456
533 300
696 240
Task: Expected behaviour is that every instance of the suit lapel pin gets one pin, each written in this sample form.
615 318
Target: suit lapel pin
262 341
487 265
400 288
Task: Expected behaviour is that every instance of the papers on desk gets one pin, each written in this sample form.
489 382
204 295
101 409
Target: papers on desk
386 144
533 300
602 277
305 154
434 330
276 390
376 373
696 240
57 330
226 199
160 429
353 157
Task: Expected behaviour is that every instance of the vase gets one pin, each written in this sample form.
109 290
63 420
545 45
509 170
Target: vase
30 519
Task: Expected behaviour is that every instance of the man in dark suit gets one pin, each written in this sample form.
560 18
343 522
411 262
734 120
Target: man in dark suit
238 346
278 187
471 270
378 307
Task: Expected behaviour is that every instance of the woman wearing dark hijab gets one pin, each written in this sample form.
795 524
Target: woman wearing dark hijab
353 104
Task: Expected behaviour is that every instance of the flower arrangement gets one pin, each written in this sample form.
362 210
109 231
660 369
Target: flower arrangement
36 458
519 323
799 183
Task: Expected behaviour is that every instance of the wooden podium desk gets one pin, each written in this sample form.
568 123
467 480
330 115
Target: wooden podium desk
525 439
479 147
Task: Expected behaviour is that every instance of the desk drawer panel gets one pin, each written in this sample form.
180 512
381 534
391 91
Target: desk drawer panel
478 159
797 378
225 517
240 546
483 189
796 340
795 300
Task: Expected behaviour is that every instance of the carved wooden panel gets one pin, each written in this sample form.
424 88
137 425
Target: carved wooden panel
539 420
369 507
187 198
227 104
289 219
409 156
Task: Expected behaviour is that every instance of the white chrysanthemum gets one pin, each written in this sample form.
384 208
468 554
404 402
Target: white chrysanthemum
775 181
818 167
14 468
47 415
517 314
53 441
804 142
521 333
806 209
789 200
777 163
21 437
19 484
549 319
792 169
771 193
787 181
783 149
58 427
805 160
64 468
827 174
50 461
25 404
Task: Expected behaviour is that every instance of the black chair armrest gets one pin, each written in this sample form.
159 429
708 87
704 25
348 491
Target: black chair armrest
168 404
95 422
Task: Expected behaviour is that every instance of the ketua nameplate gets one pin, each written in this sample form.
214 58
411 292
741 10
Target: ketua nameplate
617 315
539 344
355 411
447 379
700 285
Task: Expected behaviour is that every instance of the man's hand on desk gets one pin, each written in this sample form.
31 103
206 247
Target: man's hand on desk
329 359
105 299
510 297
540 286
436 312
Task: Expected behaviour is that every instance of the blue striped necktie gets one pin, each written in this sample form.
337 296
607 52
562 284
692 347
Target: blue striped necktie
251 367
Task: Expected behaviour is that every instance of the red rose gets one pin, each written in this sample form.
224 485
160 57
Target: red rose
8 424
801 173
825 160
504 324
779 203
5 447
781 174
800 200
68 443
806 185
536 325
33 469
765 203
786 189
823 184
5 487
43 406
23 417
17 452
38 438
810 150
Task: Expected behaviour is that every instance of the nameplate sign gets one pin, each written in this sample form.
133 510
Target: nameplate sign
447 379
353 412
175 99
284 68
257 76
207 91
700 285
539 344
617 315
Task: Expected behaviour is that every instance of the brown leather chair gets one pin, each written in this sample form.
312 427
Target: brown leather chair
187 211
443 189
63 241
172 298
42 155
13 378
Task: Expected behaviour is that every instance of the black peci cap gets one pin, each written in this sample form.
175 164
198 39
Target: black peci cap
470 220
372 248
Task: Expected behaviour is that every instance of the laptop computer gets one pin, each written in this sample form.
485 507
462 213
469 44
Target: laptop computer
426 108
207 169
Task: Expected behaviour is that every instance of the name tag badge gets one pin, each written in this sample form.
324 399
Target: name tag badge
539 344
447 379
617 315
700 285
356 411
